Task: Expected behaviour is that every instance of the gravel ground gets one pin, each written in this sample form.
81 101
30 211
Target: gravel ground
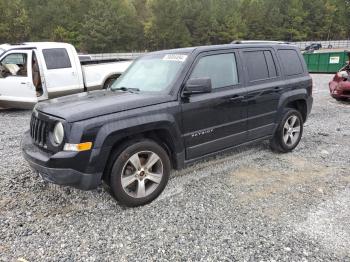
249 205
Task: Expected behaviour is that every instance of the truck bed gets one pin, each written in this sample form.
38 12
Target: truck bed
96 72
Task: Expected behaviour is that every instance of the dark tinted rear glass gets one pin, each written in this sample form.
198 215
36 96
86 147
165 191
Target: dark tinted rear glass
270 64
56 58
291 62
256 64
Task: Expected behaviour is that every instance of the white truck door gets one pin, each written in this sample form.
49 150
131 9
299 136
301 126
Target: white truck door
16 85
60 72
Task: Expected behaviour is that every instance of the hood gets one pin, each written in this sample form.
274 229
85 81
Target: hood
87 105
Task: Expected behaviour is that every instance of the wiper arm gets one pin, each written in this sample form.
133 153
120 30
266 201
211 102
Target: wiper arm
127 89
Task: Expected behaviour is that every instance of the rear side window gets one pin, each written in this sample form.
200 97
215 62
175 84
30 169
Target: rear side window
260 65
221 69
291 62
56 58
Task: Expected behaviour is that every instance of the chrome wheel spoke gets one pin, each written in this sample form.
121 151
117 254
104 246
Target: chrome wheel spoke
128 180
293 139
296 129
135 161
286 138
141 189
152 160
156 178
293 120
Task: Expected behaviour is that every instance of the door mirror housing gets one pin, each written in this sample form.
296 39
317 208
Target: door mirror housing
197 86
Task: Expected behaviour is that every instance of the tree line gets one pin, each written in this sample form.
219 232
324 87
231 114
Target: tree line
125 25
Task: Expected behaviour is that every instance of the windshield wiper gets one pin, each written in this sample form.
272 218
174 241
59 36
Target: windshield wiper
127 89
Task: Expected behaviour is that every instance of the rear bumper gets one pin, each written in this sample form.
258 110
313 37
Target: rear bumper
46 165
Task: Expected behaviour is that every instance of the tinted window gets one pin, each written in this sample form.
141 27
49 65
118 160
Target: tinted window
291 62
221 69
256 65
56 58
270 64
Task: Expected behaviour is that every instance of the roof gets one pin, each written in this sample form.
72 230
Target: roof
31 45
241 44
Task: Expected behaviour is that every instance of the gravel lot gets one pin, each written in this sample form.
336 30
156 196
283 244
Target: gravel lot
249 205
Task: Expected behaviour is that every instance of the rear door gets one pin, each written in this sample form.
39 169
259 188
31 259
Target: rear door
61 76
215 121
264 89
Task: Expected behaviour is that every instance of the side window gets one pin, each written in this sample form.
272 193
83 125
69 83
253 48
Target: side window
15 64
291 62
221 69
260 65
270 64
56 58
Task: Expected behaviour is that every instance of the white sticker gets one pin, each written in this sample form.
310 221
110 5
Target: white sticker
175 57
334 60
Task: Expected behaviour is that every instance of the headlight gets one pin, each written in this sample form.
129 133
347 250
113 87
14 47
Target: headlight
58 133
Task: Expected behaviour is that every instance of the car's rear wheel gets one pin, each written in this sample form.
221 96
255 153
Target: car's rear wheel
289 132
140 173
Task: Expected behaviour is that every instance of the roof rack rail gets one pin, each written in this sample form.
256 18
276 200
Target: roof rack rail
257 42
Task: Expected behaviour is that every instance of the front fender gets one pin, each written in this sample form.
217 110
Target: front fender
116 132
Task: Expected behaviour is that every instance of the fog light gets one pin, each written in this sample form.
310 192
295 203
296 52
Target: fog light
78 147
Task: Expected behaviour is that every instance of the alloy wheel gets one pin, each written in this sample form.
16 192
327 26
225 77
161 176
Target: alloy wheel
142 174
291 131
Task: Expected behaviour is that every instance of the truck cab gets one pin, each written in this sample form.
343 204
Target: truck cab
32 72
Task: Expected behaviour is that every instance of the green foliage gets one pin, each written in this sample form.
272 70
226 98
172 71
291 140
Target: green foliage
126 25
14 25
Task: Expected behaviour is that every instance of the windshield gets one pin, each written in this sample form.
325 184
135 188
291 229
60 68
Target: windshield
151 73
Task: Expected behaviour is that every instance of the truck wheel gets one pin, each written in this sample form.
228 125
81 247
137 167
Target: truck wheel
140 173
109 82
289 132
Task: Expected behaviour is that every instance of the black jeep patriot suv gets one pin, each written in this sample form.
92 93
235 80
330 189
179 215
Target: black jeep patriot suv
169 109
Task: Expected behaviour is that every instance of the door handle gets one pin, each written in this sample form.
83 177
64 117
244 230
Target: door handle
236 98
23 83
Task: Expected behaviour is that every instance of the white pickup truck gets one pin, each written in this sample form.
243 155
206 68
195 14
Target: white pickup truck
31 72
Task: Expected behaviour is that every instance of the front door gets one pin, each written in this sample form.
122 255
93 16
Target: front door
16 85
215 121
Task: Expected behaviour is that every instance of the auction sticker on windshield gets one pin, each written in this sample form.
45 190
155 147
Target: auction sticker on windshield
175 57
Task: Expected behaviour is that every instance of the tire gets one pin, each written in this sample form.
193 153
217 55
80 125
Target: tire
289 132
109 82
132 182
341 99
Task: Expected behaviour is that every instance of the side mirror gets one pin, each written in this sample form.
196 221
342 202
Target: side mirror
197 86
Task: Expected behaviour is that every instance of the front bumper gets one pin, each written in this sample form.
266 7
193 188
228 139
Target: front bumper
52 167
339 90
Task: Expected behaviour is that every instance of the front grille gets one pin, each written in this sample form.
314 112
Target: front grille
39 130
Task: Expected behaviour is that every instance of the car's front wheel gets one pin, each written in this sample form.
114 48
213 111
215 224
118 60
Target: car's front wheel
140 173
289 132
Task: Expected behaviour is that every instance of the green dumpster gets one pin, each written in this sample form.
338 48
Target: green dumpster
325 62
